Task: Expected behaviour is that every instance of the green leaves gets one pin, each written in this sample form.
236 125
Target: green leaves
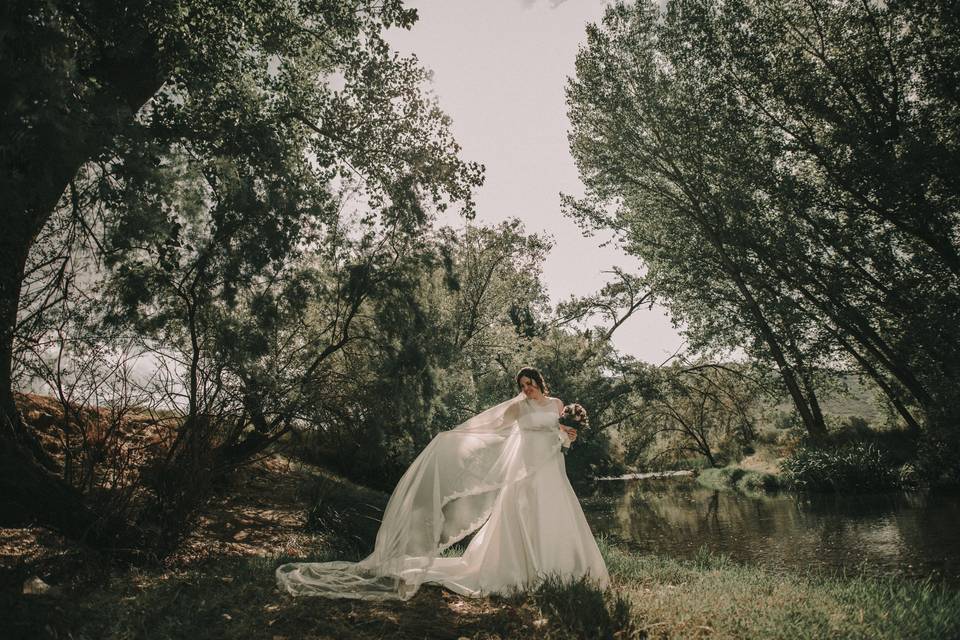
771 166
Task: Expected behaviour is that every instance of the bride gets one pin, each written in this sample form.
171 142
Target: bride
499 475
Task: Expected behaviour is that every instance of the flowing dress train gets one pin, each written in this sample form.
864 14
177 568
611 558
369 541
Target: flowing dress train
500 475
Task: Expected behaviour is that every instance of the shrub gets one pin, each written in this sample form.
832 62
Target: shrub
784 420
743 480
855 467
938 460
757 481
853 429
768 436
721 477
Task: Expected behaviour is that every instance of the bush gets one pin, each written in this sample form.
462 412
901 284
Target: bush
720 478
938 461
757 481
743 480
784 420
853 429
855 467
768 436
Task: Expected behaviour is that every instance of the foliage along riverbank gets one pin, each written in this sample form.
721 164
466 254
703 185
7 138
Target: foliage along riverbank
739 479
221 585
855 466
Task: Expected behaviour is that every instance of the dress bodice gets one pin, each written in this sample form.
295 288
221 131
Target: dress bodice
538 417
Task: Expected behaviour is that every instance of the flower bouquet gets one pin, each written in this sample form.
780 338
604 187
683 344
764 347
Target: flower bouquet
573 416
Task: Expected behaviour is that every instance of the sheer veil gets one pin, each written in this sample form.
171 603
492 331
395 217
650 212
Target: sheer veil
447 493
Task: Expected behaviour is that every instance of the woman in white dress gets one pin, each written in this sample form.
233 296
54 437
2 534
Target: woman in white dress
501 475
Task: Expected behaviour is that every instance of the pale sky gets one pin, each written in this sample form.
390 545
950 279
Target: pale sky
500 68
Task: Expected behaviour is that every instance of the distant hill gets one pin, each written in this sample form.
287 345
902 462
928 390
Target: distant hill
859 400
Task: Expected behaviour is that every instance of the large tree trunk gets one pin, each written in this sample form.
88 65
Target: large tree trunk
40 159
12 430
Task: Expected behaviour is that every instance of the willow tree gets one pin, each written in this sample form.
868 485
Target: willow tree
784 170
133 117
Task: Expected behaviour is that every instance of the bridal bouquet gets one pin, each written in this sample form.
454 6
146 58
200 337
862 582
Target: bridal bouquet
574 416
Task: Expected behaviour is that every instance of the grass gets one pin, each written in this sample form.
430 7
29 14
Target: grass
582 610
237 598
653 597
714 597
850 468
223 589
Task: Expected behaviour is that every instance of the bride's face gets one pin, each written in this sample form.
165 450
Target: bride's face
530 388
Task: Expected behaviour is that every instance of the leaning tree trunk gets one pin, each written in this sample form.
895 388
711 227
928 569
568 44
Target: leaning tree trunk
31 185
812 419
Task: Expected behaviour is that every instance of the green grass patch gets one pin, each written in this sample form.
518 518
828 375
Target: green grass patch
580 608
711 596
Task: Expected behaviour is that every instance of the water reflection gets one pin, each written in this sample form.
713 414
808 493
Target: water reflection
910 534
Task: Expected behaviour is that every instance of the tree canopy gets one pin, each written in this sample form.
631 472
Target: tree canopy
190 151
787 173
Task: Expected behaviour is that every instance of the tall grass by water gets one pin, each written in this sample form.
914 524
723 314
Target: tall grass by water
853 467
743 480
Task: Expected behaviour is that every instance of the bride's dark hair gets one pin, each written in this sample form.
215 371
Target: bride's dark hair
534 375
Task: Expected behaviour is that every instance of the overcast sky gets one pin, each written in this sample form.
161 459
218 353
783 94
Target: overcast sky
500 67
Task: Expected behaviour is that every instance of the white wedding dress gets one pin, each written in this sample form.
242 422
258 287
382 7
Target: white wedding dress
500 474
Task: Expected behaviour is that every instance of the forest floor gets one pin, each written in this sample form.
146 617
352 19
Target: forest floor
221 585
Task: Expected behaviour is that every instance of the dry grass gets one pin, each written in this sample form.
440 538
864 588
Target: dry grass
763 460
139 431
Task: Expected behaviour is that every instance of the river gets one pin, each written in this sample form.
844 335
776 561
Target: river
913 534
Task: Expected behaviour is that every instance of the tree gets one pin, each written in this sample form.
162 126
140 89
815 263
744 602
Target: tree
437 335
701 408
771 165
141 119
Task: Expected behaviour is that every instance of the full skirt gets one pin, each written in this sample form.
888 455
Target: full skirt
537 528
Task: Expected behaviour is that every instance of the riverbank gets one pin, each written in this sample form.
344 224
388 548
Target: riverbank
714 597
221 585
852 467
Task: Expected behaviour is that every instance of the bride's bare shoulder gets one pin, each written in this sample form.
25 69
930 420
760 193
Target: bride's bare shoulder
559 404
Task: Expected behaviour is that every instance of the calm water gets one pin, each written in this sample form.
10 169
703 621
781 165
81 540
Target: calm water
913 534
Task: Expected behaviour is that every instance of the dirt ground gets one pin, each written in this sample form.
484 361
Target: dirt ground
263 515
